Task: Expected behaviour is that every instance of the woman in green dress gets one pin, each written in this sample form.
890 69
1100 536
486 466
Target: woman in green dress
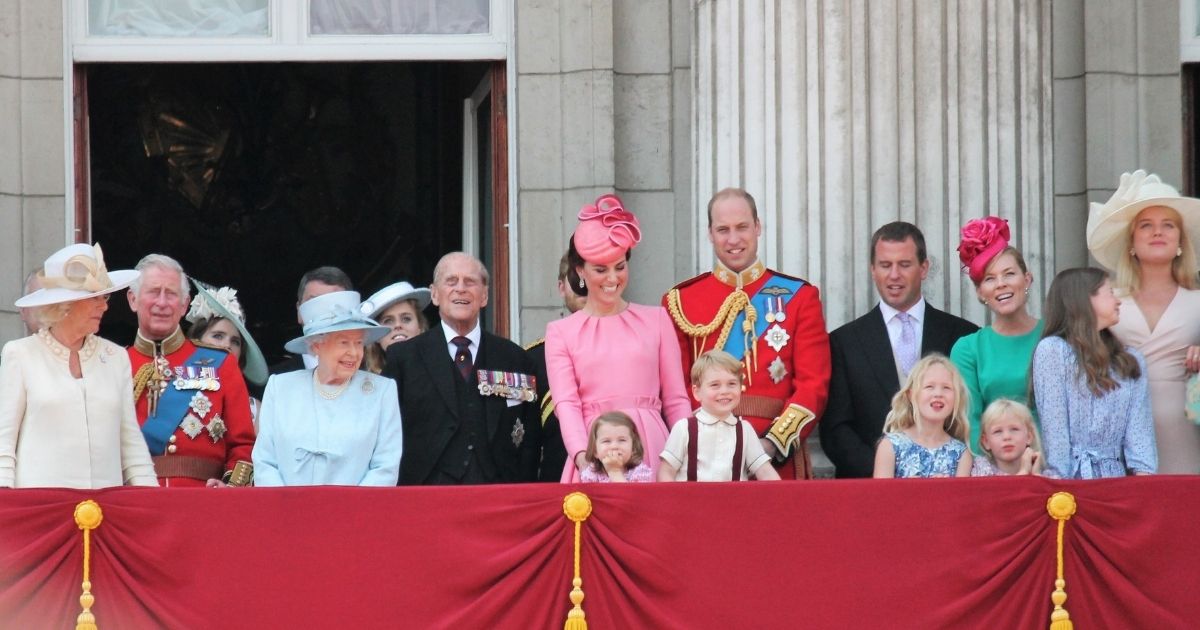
995 360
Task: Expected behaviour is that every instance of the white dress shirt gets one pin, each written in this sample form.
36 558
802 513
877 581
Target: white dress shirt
474 336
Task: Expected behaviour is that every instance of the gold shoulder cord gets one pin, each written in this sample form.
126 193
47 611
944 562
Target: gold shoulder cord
734 303
141 378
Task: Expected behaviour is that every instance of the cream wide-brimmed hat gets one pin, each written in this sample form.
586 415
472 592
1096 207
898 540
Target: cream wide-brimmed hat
384 298
1108 223
223 302
334 312
76 272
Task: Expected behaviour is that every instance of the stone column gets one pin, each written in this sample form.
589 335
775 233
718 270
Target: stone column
842 115
1118 105
603 104
32 217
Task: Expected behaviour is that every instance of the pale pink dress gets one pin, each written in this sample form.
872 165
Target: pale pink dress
628 362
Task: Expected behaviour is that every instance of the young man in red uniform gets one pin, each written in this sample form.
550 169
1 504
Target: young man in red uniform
772 322
191 402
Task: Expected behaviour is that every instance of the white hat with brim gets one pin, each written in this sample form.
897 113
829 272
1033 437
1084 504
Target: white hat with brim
384 298
334 312
76 272
1108 232
256 364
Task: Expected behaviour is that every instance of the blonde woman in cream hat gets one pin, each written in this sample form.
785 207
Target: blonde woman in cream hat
1147 233
66 409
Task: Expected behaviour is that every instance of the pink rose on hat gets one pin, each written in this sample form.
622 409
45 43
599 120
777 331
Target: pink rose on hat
982 240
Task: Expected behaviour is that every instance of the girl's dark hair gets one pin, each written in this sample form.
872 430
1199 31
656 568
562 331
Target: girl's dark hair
574 262
1068 314
199 328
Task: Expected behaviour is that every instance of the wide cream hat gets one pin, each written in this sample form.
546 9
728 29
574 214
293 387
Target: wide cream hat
76 272
1108 232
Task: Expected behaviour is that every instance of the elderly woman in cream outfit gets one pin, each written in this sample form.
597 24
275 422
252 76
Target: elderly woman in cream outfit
66 404
1147 234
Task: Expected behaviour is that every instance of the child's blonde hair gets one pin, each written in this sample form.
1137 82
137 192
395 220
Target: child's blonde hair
903 414
617 419
715 359
1000 408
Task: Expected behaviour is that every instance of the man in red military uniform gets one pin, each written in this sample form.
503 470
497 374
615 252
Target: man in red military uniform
771 321
191 402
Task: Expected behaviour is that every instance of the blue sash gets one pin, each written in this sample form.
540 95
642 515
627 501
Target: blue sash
736 344
173 404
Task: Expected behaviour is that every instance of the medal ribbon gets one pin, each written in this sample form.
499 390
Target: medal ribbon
173 404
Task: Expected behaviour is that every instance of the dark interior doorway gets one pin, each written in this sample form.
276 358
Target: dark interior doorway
252 173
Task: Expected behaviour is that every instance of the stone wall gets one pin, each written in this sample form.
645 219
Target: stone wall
1117 104
32 217
603 104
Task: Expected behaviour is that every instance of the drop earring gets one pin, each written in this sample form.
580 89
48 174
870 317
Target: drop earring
1178 252
581 283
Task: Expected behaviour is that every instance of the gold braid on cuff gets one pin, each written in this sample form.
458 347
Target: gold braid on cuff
785 430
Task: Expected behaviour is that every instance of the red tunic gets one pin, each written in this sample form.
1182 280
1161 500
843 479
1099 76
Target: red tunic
231 401
781 400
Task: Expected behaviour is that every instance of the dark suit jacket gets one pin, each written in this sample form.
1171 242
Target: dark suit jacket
554 452
864 379
424 375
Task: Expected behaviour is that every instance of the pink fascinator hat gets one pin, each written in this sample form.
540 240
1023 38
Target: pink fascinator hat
982 240
606 230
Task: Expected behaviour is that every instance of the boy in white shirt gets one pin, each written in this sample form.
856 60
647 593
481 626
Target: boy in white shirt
714 444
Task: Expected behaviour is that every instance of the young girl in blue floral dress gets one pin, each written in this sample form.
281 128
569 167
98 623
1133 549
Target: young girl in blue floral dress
924 433
1091 390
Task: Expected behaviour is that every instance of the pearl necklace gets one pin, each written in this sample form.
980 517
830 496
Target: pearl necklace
327 394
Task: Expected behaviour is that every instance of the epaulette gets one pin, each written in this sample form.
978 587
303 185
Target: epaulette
784 275
693 280
535 344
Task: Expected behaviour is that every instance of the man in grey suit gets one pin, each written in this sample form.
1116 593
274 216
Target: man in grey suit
872 354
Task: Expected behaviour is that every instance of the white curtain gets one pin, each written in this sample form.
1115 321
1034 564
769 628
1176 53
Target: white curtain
178 18
398 17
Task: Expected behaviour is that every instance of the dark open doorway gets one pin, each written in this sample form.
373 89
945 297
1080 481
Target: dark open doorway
251 174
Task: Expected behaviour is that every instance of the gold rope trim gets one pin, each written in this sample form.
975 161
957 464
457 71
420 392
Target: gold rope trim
734 303
577 506
87 516
141 378
1061 507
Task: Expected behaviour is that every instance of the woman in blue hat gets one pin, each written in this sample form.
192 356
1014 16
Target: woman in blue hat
334 424
399 307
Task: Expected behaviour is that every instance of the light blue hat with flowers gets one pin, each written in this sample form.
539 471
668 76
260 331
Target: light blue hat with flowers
334 312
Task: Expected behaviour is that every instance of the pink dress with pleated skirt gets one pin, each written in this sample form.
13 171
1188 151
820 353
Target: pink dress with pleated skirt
626 362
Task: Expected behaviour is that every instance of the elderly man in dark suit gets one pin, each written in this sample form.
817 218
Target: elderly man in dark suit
873 354
468 397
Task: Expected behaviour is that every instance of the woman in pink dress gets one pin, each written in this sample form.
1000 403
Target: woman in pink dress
611 355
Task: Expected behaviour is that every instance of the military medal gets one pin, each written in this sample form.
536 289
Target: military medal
200 404
518 432
777 337
191 425
216 428
770 311
779 314
777 370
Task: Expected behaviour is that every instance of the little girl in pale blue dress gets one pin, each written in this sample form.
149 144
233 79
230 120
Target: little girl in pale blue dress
925 431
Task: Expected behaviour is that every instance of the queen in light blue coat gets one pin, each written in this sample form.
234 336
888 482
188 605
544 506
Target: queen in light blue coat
334 424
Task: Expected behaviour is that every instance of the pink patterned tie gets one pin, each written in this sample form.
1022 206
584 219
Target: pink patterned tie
906 349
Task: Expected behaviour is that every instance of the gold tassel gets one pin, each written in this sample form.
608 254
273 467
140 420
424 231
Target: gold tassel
577 506
1061 507
87 516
